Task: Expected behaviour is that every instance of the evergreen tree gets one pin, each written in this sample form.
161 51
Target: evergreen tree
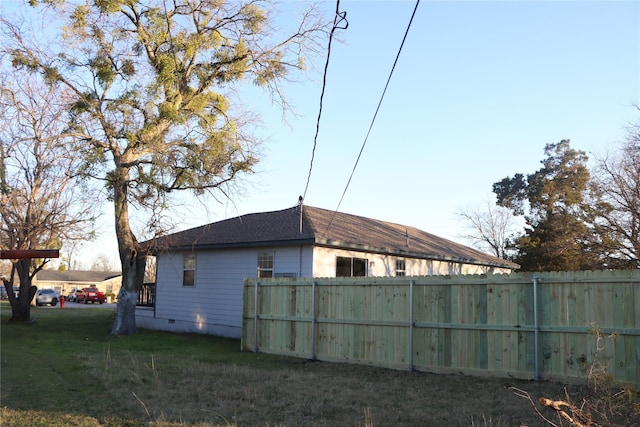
552 200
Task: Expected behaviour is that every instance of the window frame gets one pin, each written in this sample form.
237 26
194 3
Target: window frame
355 264
189 264
264 271
401 267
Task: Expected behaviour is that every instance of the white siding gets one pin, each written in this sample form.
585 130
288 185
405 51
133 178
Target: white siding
214 304
324 264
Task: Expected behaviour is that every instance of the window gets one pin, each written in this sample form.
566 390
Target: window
400 268
189 271
351 267
265 264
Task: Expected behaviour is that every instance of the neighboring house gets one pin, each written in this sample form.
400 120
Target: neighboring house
201 271
66 281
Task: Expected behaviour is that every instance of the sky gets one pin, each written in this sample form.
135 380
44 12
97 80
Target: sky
479 89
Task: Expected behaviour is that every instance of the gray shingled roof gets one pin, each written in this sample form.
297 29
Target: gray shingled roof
326 228
71 276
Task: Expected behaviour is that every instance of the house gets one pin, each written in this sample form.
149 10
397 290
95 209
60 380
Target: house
201 271
66 281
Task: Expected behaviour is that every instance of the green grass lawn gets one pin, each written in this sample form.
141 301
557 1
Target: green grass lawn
66 364
65 368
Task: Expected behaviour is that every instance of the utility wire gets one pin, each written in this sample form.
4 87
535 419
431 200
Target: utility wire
339 19
374 116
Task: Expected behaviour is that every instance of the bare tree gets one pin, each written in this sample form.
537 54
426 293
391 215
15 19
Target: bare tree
152 268
615 189
102 263
71 249
491 226
154 83
42 200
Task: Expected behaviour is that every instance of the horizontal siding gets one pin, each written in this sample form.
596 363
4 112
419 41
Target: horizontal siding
216 298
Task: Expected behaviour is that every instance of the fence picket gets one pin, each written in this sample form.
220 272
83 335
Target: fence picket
474 324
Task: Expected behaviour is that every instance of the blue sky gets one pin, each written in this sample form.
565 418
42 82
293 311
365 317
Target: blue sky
479 89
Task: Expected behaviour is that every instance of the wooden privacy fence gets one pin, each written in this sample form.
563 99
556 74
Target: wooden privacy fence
525 325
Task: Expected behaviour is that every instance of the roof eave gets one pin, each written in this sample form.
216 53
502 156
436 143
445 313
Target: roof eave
233 245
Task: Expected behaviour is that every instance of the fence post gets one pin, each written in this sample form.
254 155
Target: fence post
536 328
411 283
255 318
313 320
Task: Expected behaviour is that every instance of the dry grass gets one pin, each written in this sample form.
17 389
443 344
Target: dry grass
294 392
77 374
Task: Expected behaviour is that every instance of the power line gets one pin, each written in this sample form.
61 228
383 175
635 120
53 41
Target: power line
374 115
339 19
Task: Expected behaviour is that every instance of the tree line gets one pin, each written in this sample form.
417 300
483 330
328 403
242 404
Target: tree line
574 218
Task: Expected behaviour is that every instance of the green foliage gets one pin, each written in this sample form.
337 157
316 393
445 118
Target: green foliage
35 3
84 103
552 200
109 6
128 68
560 185
511 193
174 73
78 17
103 70
22 60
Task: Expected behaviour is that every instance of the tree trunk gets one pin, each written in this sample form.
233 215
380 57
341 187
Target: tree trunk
132 258
132 279
20 305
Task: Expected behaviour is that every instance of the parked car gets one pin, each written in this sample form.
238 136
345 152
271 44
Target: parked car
91 294
73 296
47 296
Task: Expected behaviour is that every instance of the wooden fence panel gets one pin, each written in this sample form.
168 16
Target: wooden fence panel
475 324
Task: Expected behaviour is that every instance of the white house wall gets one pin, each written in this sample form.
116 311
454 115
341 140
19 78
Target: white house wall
379 265
214 304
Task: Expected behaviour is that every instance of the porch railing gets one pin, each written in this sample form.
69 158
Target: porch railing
147 295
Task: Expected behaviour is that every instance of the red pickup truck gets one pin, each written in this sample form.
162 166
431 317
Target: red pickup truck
91 294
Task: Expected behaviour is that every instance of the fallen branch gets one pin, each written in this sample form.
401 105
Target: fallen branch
557 405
